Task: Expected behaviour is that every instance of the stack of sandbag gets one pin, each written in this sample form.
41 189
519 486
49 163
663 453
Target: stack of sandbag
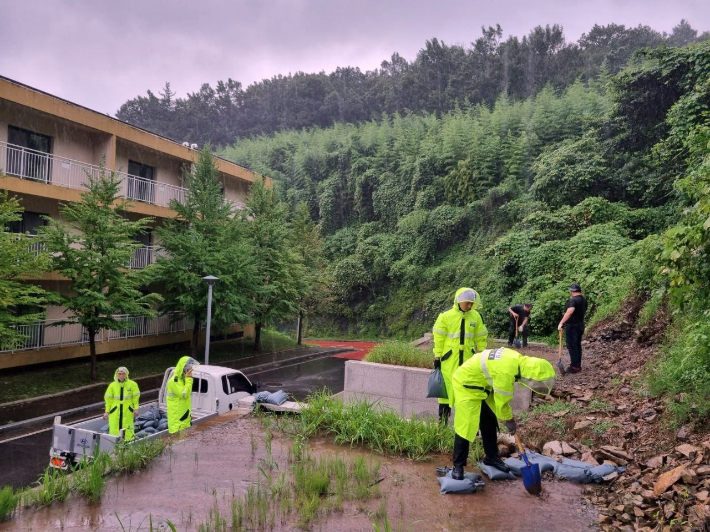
272 398
150 422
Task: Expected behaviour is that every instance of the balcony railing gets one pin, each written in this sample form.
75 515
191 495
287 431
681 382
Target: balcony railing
33 247
44 335
18 161
141 326
144 256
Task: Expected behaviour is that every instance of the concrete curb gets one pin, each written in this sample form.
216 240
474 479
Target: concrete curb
403 389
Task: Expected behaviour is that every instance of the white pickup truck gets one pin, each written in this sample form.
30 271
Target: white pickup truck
215 390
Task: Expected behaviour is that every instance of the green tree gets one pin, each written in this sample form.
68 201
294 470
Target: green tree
206 239
92 245
18 259
281 273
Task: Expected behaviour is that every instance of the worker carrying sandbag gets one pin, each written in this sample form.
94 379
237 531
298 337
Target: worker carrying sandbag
482 390
121 400
457 333
179 395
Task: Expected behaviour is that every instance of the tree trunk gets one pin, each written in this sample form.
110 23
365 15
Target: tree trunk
92 351
299 331
195 342
257 336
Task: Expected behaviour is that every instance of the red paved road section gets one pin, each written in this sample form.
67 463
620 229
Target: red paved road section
361 348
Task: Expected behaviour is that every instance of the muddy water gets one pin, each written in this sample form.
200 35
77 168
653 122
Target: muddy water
218 460
23 460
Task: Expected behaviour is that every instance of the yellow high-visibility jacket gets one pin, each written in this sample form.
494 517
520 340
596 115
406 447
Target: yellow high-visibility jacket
456 336
121 402
490 376
179 399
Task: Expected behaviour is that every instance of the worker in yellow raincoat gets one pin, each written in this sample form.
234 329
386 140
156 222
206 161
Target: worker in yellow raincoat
457 334
121 400
179 395
483 388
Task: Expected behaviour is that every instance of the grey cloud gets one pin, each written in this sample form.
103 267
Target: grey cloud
99 54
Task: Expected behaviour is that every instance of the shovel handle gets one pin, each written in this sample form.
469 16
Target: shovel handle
519 444
560 344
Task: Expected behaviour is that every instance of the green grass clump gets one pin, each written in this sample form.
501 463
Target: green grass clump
136 456
89 480
362 423
682 371
602 427
8 502
400 354
53 485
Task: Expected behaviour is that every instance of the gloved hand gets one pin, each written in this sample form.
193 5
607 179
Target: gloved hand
437 363
511 425
520 329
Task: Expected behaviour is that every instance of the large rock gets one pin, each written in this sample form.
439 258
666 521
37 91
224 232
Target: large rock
667 479
552 448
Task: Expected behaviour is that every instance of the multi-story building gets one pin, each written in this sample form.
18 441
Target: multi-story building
47 147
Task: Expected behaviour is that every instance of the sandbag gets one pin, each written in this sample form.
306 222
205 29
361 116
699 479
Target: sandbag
584 473
495 473
437 386
104 429
277 398
150 430
261 396
470 483
515 464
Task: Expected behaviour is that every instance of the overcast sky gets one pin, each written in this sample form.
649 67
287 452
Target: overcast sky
101 53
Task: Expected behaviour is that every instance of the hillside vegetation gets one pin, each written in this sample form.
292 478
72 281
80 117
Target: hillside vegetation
605 183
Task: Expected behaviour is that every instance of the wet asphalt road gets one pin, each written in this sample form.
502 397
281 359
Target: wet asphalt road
24 459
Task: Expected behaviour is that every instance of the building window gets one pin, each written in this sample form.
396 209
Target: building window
141 182
28 157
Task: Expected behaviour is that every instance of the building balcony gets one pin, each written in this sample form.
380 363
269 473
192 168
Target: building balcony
46 334
144 256
23 163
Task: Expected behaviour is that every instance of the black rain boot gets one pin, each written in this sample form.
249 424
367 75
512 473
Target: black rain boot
457 473
496 462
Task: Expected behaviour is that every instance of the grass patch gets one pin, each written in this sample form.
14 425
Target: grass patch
136 456
34 381
400 354
8 502
89 480
362 423
602 427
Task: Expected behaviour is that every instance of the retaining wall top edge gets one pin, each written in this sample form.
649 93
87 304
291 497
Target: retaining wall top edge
389 366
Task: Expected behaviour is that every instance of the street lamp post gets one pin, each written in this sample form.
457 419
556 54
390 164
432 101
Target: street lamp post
210 280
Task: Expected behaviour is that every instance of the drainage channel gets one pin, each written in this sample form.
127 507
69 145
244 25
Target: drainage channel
24 447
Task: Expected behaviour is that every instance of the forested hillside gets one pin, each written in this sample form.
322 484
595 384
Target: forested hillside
441 77
605 183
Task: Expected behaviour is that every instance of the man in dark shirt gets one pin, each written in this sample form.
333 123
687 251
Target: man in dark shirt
573 322
522 313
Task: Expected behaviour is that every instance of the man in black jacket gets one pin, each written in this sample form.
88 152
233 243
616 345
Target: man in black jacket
573 322
520 318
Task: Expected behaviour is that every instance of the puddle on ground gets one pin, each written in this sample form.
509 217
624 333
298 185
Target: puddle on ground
218 460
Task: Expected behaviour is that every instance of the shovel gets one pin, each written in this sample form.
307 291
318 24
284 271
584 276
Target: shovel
560 364
530 472
516 342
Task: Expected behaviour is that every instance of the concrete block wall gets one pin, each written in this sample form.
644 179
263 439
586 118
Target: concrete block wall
402 389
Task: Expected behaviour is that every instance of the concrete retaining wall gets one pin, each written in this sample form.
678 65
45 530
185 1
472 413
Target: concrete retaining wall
402 389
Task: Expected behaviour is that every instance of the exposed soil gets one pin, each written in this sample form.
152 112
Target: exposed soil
609 393
219 459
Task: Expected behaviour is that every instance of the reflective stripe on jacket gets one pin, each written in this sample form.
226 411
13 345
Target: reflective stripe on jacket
121 400
456 336
179 398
